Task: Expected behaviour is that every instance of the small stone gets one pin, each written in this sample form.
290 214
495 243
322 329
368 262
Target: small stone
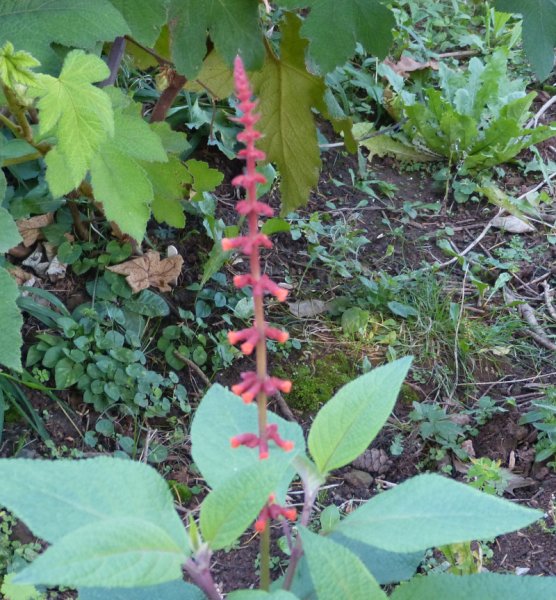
358 479
467 447
460 419
542 473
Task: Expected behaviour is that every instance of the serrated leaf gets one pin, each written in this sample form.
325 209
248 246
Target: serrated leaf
15 66
9 233
233 26
336 572
348 423
205 178
93 490
539 31
78 114
368 22
10 323
144 17
484 586
14 591
287 93
233 506
122 552
430 510
216 77
222 415
168 181
174 142
261 595
175 590
383 145
36 25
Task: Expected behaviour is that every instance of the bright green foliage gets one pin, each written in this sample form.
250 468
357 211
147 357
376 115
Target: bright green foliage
9 234
485 586
261 595
14 591
287 93
175 590
36 24
10 323
205 179
348 423
336 572
539 31
15 67
78 114
222 415
430 510
233 506
368 22
168 181
144 17
120 552
233 26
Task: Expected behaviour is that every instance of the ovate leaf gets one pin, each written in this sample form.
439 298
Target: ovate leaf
36 25
10 323
261 595
336 572
9 234
430 510
539 31
144 17
485 586
78 114
368 22
175 590
348 423
287 93
94 490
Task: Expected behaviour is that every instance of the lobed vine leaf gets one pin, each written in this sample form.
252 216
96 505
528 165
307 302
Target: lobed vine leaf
9 233
539 31
15 66
144 17
10 323
36 25
368 22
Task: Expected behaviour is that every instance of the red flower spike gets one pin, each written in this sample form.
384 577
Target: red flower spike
277 334
247 180
272 434
245 207
273 511
246 243
245 439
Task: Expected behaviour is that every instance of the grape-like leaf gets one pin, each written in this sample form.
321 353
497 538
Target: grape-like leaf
9 234
144 17
10 323
34 25
539 31
368 22
15 66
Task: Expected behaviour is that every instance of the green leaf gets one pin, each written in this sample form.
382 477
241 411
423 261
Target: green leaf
78 114
233 26
3 182
144 17
365 21
430 510
383 145
539 31
174 142
233 506
36 25
215 77
288 93
205 179
336 572
348 423
222 415
175 590
9 234
485 586
168 181
10 323
15 67
67 373
57 498
14 591
275 225
122 552
261 595
148 304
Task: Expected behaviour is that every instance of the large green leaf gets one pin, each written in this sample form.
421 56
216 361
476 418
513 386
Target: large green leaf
222 415
233 26
368 22
175 590
122 552
10 324
9 234
144 17
349 422
78 114
539 31
261 595
486 586
288 93
168 180
35 25
336 572
233 506
55 498
430 510
16 65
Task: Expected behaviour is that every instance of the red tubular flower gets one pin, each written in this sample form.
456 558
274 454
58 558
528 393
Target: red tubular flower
273 511
261 285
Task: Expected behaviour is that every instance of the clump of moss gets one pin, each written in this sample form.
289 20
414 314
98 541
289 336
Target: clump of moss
315 383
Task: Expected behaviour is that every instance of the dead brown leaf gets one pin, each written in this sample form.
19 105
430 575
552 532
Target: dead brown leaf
20 275
30 229
408 65
148 270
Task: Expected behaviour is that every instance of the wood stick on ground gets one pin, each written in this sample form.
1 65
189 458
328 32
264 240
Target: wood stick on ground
286 410
535 120
192 366
548 295
528 315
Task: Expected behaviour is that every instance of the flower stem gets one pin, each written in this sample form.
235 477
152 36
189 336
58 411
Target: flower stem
265 559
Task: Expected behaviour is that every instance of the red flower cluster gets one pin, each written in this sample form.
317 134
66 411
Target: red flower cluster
273 511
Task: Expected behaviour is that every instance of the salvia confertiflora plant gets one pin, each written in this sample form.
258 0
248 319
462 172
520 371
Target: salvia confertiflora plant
113 532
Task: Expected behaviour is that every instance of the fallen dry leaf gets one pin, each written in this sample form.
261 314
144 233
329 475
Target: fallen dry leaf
408 65
512 224
30 229
148 270
21 276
